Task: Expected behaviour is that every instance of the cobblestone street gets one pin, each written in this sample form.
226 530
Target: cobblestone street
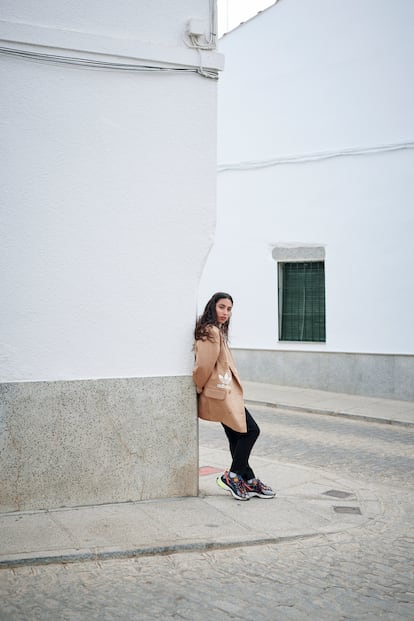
363 574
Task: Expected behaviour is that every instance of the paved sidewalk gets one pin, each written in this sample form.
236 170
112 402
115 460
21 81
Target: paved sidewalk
310 502
389 411
213 520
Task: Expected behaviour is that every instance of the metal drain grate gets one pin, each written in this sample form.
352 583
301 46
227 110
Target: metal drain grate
352 510
336 493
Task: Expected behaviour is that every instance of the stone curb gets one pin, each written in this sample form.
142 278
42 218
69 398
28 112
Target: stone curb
77 557
343 414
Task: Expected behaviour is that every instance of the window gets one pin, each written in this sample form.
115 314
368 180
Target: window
302 301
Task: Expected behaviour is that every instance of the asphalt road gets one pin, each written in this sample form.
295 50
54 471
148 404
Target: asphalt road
364 574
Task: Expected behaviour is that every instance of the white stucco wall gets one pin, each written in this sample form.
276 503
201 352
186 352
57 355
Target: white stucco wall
108 191
146 21
301 78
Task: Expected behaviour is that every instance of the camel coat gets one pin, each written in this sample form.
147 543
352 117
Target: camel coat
220 393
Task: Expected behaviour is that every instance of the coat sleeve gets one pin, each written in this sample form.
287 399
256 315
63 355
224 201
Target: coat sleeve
207 353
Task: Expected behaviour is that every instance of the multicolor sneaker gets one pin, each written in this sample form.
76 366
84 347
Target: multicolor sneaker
256 487
235 485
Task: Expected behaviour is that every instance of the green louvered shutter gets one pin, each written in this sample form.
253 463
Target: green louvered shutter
303 302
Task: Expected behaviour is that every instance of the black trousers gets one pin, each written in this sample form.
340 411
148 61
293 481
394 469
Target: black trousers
241 445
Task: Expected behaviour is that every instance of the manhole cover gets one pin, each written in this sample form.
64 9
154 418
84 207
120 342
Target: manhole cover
336 493
354 510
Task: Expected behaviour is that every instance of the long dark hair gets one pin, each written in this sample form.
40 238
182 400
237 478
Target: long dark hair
209 318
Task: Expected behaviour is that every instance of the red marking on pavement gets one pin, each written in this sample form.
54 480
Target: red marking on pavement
204 470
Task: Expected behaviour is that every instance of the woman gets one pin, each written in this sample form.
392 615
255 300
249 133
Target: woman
220 397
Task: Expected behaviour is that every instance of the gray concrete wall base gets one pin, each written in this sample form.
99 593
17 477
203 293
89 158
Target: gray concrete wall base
71 443
372 375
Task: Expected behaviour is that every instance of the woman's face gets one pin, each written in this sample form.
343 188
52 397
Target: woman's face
223 310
